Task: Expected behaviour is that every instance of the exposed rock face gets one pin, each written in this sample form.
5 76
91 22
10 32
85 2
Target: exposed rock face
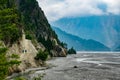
36 24
26 51
59 51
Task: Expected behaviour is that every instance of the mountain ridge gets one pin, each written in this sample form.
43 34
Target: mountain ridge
78 43
104 29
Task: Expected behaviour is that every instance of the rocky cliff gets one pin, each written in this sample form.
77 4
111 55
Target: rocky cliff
24 30
36 26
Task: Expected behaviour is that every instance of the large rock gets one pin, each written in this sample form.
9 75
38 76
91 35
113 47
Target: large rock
58 51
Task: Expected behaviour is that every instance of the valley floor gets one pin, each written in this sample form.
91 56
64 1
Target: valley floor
83 66
97 66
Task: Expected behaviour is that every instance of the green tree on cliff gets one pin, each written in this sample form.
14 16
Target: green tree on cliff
9 30
3 64
9 33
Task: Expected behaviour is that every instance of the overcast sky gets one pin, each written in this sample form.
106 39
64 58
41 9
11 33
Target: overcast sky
57 9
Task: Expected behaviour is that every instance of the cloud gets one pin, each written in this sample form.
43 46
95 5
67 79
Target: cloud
113 6
57 9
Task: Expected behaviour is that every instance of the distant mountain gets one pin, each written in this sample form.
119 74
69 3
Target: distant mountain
78 43
105 29
117 49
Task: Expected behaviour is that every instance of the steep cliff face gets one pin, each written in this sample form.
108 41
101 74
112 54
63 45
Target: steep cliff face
24 30
33 18
36 26
26 52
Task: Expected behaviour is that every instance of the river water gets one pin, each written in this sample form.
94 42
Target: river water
82 66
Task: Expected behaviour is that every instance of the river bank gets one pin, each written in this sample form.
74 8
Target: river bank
83 66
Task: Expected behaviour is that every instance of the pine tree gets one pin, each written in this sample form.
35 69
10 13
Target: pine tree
9 33
3 64
9 30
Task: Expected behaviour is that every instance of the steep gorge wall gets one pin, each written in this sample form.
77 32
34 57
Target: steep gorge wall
26 51
36 25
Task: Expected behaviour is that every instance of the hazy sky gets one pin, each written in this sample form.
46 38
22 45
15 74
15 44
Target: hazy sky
57 9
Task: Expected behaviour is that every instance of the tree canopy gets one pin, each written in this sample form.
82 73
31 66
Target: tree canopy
9 25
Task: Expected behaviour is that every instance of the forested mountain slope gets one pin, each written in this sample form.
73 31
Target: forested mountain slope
24 33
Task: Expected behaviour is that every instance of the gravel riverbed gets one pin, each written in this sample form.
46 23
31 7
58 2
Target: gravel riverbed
82 66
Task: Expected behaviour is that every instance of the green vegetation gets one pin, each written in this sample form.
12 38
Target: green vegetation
47 43
15 56
36 25
14 62
20 78
64 45
37 78
30 18
71 51
3 50
3 64
28 36
9 22
10 32
42 55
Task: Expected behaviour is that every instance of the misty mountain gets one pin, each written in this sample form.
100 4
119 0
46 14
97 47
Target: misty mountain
78 43
117 48
105 29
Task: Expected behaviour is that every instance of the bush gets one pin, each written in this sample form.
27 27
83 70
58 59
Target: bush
64 45
28 36
42 55
14 62
15 56
4 64
37 78
3 50
71 51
